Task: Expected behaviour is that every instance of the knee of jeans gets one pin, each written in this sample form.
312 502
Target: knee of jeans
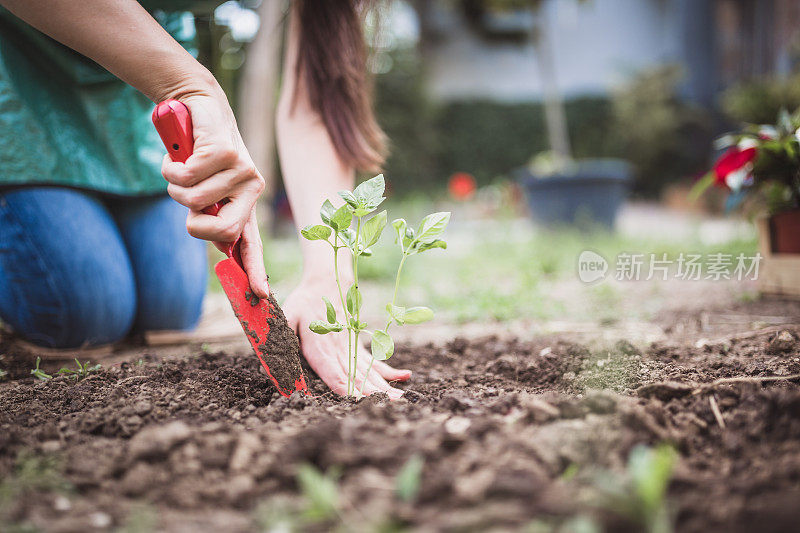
91 313
173 302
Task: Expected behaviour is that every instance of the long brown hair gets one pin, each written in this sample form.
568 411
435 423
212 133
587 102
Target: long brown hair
332 61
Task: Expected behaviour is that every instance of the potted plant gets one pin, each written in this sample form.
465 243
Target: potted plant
760 167
559 189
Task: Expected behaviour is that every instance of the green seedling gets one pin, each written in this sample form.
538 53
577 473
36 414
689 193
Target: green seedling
641 495
348 228
321 493
81 372
3 374
31 476
38 373
409 478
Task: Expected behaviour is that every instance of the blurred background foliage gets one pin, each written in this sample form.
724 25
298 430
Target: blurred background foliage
760 101
647 120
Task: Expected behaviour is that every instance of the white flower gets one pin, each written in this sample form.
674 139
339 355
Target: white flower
768 131
747 142
739 178
797 135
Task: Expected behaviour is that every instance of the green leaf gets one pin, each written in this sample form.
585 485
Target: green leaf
399 226
701 186
432 226
326 212
651 471
349 237
348 197
329 310
417 315
316 233
353 300
320 327
370 191
342 218
320 491
355 325
40 374
382 345
366 252
373 228
425 246
408 480
397 312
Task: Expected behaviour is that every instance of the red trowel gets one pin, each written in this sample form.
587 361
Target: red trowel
262 319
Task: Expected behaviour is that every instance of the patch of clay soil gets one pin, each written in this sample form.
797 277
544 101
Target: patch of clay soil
509 432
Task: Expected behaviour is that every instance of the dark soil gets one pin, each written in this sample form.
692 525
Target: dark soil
511 434
281 349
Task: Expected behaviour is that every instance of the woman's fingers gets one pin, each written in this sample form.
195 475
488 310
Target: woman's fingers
373 385
203 163
225 226
390 373
210 191
219 168
373 378
252 251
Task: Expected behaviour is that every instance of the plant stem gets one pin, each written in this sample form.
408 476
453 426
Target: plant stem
354 349
394 299
396 285
344 307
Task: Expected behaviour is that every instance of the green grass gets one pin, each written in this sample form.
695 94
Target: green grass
32 474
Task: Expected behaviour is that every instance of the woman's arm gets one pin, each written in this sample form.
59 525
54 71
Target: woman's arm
122 37
312 173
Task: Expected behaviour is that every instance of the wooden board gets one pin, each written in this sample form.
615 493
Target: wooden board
779 273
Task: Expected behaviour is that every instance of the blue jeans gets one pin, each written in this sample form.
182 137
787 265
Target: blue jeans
80 269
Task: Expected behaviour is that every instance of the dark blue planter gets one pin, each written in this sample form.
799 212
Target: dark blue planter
590 193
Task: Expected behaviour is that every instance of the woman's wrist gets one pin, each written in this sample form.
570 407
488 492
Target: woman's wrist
197 80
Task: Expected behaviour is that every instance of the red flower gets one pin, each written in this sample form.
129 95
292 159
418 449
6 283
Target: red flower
461 186
732 160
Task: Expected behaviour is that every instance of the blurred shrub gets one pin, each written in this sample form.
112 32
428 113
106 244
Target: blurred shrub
487 139
409 119
759 101
490 138
664 137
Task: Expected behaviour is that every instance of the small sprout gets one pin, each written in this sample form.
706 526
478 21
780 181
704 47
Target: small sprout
641 495
408 480
347 228
81 372
3 374
38 373
321 492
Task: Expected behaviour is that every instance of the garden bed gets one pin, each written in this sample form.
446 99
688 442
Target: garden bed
509 434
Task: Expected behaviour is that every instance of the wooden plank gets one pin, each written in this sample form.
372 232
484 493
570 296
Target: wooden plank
779 274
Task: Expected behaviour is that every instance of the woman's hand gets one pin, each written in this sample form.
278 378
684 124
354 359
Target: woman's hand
327 354
219 168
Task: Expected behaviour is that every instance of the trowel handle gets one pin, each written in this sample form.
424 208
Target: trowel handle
173 121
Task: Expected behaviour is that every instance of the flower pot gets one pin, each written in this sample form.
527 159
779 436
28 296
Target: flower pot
785 232
589 192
